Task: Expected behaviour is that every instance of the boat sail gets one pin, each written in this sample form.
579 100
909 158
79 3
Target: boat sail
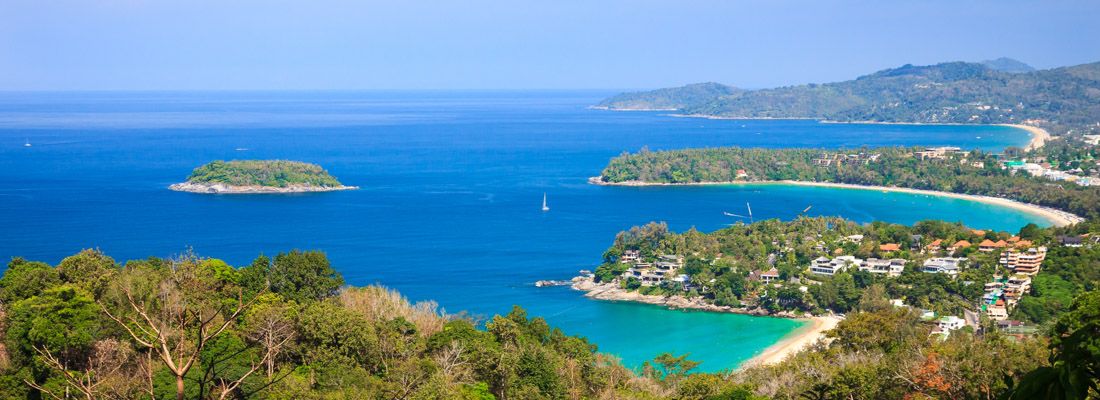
544 207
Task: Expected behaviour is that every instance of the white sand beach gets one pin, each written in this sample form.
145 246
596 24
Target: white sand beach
1039 136
795 341
1054 216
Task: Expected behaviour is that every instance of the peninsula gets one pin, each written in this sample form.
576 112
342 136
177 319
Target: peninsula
1003 91
259 176
821 268
946 171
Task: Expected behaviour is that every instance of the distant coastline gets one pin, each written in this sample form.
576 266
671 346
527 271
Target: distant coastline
606 108
1039 136
218 188
1054 216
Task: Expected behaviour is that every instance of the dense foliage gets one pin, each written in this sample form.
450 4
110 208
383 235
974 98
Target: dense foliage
271 173
955 92
283 328
969 173
197 328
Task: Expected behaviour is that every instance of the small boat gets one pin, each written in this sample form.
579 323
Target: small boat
26 143
544 207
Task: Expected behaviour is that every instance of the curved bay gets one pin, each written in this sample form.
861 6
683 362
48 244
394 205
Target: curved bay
451 185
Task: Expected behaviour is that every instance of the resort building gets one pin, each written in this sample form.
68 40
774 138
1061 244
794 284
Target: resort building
997 311
830 159
889 247
936 153
945 325
1070 241
950 323
1024 262
1015 288
934 246
989 245
958 246
854 239
630 256
769 276
825 266
943 265
892 267
670 263
654 274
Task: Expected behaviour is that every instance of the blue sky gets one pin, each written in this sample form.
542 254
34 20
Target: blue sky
515 44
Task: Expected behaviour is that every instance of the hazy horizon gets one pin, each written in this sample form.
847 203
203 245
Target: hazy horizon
497 45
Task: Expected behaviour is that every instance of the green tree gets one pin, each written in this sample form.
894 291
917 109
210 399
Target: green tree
24 279
1074 371
304 276
174 311
63 320
89 269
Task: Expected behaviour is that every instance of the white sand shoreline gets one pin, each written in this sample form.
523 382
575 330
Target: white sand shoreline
794 342
1054 216
1039 136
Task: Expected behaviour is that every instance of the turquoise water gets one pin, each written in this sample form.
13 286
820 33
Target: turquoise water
451 189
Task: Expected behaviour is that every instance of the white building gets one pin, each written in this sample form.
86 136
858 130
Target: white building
996 312
825 266
654 274
943 265
854 238
950 323
891 267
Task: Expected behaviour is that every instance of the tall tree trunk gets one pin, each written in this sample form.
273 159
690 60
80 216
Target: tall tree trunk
179 387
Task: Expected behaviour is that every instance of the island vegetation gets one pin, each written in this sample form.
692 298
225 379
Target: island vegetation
259 176
994 92
938 169
286 327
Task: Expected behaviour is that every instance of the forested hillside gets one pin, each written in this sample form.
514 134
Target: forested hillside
955 92
968 173
286 328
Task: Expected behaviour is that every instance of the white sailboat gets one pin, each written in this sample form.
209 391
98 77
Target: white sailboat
26 143
544 207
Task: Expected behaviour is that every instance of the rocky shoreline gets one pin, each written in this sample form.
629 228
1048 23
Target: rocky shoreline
218 188
612 292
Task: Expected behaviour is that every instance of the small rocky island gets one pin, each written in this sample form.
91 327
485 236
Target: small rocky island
259 176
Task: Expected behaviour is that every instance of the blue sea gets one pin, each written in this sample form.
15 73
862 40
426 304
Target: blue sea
452 184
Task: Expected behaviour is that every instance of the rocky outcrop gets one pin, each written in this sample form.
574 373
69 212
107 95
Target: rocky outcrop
218 188
612 292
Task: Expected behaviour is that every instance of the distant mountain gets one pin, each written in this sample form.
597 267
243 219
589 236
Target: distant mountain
954 92
1006 64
